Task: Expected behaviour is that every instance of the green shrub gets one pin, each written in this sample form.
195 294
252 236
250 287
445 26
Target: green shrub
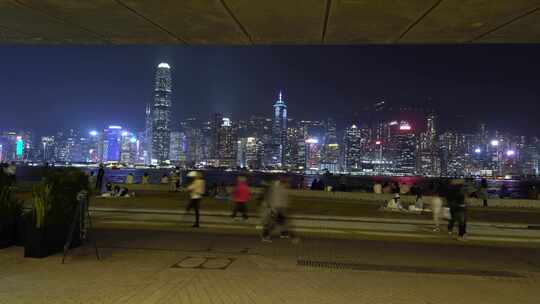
10 208
55 198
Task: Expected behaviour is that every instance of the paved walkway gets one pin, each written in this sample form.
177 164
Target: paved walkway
336 226
143 266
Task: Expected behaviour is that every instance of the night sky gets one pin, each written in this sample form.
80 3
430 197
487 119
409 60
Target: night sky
48 88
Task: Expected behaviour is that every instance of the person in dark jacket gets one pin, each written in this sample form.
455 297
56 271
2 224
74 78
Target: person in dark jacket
315 184
100 176
483 192
455 196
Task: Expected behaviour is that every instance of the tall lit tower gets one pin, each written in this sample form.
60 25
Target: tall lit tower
279 131
161 114
148 135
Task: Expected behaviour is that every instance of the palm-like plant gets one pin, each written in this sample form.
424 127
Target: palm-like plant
42 199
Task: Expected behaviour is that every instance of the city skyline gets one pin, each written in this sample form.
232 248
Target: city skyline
230 81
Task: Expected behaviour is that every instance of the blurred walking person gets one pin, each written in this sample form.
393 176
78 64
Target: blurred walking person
456 200
240 196
100 176
173 179
196 191
436 208
483 192
275 204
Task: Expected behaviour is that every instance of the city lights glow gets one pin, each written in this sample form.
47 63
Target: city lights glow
405 126
477 150
312 141
164 65
495 142
19 148
133 140
510 153
125 133
378 142
93 133
393 123
115 127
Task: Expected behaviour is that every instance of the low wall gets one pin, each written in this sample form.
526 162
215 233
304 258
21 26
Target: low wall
410 199
364 197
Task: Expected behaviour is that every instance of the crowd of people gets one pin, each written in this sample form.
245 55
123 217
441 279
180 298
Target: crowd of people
446 198
273 200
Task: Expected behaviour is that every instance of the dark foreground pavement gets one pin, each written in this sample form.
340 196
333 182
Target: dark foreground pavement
205 266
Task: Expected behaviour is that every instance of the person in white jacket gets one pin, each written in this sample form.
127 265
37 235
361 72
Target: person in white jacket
436 207
196 191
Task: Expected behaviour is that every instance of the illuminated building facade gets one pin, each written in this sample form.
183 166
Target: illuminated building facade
161 114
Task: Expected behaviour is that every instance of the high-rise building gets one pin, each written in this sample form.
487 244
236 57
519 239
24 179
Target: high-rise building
69 148
330 152
455 154
161 114
10 147
313 154
279 132
403 150
178 145
428 160
46 150
114 142
247 155
147 154
195 142
215 131
352 148
291 150
227 144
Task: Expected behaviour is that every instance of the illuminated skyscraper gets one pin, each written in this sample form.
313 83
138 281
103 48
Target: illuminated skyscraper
330 153
403 149
247 153
114 141
227 144
352 142
279 132
161 114
177 152
147 154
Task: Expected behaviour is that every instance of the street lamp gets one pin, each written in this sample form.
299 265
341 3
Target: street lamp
477 150
495 142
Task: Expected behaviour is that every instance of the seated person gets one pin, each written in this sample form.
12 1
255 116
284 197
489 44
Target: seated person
145 179
123 192
129 178
116 191
109 187
395 203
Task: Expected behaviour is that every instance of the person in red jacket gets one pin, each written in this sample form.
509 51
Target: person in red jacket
240 198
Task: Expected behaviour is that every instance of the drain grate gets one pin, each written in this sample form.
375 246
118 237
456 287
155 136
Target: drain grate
403 268
213 263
